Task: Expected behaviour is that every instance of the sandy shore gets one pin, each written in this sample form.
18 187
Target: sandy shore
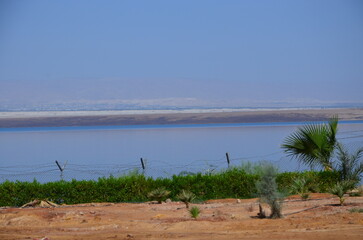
156 117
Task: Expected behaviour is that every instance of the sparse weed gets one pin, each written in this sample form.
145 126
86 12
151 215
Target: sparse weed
356 210
194 212
249 208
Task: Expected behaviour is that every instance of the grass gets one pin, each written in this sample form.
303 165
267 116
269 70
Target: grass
356 210
194 212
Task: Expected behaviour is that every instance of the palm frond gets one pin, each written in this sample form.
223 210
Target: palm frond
312 144
349 165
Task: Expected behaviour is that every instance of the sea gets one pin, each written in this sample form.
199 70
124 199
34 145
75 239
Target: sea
84 153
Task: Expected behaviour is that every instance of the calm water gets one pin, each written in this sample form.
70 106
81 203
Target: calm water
91 152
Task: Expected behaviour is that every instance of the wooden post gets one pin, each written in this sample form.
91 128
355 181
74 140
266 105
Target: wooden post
61 168
227 156
142 164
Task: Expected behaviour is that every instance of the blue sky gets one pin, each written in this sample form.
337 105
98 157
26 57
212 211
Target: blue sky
182 53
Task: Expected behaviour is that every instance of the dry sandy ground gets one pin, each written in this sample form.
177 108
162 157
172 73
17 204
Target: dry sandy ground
317 218
110 118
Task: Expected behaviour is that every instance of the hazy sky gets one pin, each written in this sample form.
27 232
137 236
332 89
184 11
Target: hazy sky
235 53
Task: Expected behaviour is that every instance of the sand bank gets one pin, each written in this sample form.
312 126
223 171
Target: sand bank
156 117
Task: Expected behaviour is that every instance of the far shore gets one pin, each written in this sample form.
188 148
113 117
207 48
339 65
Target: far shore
160 117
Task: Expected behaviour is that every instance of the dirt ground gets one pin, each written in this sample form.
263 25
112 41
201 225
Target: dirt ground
318 218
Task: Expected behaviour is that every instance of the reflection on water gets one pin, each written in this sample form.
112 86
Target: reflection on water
101 151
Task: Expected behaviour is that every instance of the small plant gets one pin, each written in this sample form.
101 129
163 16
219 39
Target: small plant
186 197
349 164
267 189
249 208
356 210
194 212
356 192
305 196
300 186
159 194
340 189
360 190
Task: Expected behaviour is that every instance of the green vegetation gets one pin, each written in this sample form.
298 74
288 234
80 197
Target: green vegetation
356 210
316 145
349 165
340 189
186 197
301 186
313 144
268 192
159 194
232 183
194 212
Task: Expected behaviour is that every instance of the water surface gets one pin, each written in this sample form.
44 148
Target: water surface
91 152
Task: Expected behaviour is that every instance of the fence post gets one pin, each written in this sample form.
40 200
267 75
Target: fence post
142 165
227 156
61 168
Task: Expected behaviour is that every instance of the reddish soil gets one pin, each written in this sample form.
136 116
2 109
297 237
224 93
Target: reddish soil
318 218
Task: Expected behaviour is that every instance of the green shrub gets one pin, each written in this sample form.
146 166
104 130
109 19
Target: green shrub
340 188
231 183
159 194
320 181
300 186
356 210
186 197
268 192
194 212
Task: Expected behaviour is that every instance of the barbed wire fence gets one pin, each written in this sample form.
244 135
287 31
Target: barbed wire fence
149 167
58 170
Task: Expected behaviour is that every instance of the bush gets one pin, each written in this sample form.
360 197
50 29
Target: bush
320 181
268 192
194 212
231 183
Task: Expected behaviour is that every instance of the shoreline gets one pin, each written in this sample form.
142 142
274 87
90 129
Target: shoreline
71 113
175 117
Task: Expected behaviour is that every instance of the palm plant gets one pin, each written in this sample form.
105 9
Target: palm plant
313 144
159 194
186 197
340 189
349 165
301 186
